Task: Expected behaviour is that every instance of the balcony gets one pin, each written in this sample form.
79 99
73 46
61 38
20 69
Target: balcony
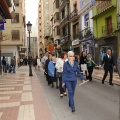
85 34
64 39
9 3
63 4
64 21
74 16
108 30
104 6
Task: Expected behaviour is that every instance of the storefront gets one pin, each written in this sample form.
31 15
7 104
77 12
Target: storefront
101 47
76 47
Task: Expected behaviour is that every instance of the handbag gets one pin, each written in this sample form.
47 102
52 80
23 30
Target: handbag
83 67
59 74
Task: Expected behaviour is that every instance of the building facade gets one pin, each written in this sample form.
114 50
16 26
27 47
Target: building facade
65 43
86 26
45 10
14 32
105 27
75 25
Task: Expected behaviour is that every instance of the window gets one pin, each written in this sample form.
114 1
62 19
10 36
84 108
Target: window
16 3
16 18
57 30
109 25
75 30
56 16
87 21
63 13
56 4
15 35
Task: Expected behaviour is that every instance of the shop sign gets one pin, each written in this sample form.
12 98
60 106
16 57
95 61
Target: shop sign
75 42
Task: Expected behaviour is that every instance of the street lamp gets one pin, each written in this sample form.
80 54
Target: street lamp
29 25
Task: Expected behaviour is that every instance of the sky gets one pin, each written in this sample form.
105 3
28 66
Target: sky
32 11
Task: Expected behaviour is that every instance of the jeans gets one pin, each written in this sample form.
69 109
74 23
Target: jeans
71 85
14 70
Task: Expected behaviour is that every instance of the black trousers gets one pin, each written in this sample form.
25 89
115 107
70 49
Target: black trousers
106 73
90 71
62 90
48 79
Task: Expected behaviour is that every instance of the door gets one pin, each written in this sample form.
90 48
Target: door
109 25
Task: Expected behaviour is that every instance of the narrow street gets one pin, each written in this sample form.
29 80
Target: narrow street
93 101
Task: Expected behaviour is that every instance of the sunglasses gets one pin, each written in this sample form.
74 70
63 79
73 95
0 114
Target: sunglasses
72 56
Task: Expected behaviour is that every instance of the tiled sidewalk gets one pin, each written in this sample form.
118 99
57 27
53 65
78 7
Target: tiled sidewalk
98 74
21 97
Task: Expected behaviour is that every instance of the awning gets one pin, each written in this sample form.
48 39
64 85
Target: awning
5 10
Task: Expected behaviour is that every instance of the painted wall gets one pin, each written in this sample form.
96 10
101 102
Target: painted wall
100 21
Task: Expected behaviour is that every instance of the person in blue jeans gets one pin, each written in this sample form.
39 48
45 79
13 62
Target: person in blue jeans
13 64
69 77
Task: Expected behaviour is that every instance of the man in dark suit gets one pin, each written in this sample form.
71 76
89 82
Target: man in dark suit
108 63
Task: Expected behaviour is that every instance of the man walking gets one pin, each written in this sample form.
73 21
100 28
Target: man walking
13 63
4 64
108 63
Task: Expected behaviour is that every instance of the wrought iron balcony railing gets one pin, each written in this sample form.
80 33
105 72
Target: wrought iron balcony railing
85 34
74 15
64 21
103 6
107 30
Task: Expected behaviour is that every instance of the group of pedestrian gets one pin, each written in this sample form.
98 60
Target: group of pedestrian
22 61
65 69
9 67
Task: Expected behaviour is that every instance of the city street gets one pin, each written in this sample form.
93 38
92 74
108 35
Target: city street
94 101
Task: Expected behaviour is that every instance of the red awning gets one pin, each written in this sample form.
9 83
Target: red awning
6 9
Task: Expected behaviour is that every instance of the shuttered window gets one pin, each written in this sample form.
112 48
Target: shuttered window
16 18
15 35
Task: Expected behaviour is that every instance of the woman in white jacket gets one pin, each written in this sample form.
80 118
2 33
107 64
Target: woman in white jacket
59 66
38 63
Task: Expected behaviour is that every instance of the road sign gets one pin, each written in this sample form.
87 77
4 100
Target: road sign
1 26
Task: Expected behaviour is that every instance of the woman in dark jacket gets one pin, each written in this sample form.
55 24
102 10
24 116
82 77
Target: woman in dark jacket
69 77
83 65
90 65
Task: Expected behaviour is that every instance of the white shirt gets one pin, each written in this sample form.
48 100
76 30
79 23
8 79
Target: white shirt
38 62
108 56
59 65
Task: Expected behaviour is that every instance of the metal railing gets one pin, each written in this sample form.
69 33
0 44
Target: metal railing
74 14
86 33
64 21
108 29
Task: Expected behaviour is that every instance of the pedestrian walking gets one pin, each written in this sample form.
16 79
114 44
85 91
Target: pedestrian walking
44 58
108 62
18 62
69 77
4 64
90 66
52 71
35 62
46 68
21 62
59 66
13 63
83 65
38 63
118 64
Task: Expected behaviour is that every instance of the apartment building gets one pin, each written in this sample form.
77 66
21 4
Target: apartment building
5 13
75 25
105 27
65 36
15 32
45 9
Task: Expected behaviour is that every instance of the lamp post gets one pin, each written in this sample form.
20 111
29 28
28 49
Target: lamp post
29 25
